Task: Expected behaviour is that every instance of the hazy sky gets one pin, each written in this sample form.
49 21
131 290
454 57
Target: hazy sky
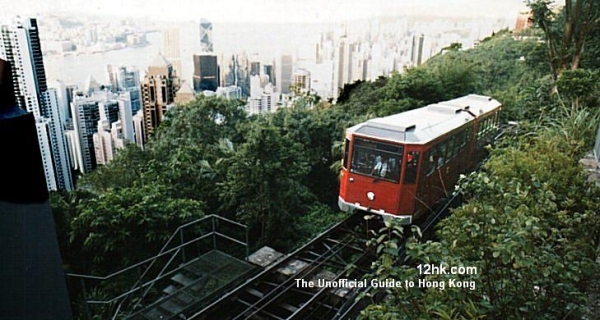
265 10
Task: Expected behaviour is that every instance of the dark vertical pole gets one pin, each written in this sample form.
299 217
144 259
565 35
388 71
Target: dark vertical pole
31 272
181 242
214 234
247 243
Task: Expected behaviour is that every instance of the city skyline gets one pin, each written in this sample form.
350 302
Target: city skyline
255 61
268 11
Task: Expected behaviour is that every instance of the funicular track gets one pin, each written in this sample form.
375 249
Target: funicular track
354 304
276 294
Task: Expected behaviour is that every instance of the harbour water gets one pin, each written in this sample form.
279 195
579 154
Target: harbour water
266 40
75 69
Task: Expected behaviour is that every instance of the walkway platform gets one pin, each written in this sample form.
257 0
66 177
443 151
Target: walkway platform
197 283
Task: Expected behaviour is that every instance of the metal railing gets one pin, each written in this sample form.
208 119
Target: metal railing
597 147
183 247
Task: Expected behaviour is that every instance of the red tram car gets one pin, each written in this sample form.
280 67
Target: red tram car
402 165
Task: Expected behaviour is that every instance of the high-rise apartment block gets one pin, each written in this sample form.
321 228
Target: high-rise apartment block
103 123
20 46
264 102
86 114
301 80
128 79
103 144
158 92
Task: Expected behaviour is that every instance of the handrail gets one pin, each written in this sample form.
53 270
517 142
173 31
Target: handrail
179 231
159 276
148 263
76 275
91 277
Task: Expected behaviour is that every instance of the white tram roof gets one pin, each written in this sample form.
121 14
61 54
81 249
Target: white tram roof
419 126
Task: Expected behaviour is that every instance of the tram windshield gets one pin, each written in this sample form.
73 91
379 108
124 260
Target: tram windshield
377 159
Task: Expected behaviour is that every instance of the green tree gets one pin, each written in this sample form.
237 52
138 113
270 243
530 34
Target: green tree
566 33
264 184
120 227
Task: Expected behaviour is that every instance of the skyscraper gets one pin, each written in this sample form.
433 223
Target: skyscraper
58 144
103 144
283 73
128 79
138 127
255 68
158 92
206 72
62 93
206 36
126 117
242 74
268 71
112 77
171 48
20 46
417 49
86 115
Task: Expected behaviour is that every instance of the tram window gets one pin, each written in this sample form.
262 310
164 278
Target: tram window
467 135
462 139
346 153
481 128
456 145
377 159
429 163
412 162
453 146
448 151
441 153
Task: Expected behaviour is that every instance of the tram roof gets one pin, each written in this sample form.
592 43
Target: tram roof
419 126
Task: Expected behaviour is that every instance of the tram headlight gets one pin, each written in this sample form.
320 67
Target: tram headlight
371 195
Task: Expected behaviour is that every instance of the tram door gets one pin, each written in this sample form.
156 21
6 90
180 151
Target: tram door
409 183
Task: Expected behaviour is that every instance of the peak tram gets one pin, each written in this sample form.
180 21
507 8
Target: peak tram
401 165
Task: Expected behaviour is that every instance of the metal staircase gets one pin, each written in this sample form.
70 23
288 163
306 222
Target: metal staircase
196 282
197 263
